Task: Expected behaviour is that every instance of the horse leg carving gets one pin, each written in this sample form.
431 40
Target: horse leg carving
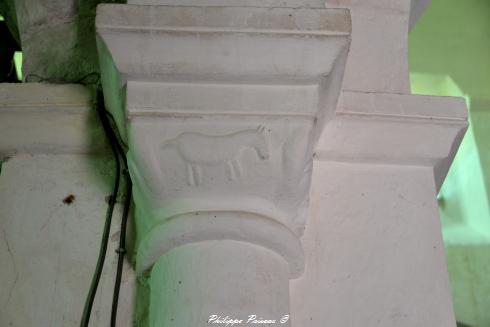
194 175
231 170
196 170
236 167
190 175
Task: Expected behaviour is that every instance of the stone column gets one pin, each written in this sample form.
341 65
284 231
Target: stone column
221 108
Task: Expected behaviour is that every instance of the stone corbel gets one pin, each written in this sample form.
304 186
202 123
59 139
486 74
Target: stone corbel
221 108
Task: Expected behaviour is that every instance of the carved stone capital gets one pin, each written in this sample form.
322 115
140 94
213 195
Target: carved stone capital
221 108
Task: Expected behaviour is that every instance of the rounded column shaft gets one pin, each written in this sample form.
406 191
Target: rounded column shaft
200 284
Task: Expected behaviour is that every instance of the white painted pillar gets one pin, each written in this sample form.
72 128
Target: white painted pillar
221 108
373 246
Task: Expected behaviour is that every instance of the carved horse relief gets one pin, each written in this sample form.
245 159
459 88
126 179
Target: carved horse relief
198 150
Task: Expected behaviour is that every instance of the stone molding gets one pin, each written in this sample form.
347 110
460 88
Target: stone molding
46 118
205 226
396 129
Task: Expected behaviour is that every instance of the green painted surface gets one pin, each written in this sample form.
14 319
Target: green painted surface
18 64
450 55
453 37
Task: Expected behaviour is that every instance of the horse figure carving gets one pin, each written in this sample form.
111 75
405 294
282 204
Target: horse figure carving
199 150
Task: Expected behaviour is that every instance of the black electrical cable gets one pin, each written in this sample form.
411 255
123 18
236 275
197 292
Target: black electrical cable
110 209
51 80
113 135
121 251
122 147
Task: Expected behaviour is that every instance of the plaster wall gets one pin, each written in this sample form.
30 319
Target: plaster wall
348 248
48 249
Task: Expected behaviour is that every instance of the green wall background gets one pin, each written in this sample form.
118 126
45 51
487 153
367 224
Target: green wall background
449 55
